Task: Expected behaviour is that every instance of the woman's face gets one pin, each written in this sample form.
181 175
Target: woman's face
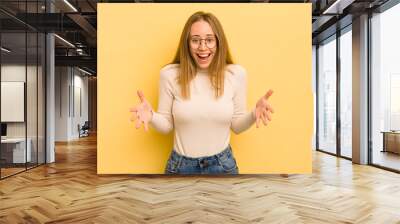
203 43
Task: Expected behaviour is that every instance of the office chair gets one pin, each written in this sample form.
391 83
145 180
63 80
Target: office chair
84 130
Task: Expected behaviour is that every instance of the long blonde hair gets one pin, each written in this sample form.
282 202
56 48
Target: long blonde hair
188 68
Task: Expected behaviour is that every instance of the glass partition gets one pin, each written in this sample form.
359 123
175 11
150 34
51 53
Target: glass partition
13 98
22 77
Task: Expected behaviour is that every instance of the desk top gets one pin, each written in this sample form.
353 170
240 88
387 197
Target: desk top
13 140
390 132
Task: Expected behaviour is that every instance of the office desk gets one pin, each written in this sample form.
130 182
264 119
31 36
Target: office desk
16 148
391 141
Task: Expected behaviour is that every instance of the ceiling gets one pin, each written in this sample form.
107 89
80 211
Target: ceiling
76 22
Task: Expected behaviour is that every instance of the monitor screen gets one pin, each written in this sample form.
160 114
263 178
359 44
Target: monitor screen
3 129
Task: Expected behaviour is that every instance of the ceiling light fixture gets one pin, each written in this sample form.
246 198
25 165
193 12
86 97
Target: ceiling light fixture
64 40
84 71
70 5
5 50
337 7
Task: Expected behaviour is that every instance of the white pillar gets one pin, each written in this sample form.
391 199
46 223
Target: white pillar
360 90
50 91
50 110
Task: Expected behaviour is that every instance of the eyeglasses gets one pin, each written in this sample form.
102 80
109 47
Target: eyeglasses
210 42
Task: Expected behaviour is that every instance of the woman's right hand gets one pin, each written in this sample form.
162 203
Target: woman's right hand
143 113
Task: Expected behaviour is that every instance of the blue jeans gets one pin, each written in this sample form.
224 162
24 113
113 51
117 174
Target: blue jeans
221 163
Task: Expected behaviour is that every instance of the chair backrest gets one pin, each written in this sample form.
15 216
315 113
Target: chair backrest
86 125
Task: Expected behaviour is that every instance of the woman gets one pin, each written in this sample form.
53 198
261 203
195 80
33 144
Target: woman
202 96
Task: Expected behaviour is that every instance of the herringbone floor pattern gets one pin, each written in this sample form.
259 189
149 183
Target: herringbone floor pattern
69 191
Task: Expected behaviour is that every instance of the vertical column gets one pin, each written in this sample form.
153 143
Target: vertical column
50 92
360 90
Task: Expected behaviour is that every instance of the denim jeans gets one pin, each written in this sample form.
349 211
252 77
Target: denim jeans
221 163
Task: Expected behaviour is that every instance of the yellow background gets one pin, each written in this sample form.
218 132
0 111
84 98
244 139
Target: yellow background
273 43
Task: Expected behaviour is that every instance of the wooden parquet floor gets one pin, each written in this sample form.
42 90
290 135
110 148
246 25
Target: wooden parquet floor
70 191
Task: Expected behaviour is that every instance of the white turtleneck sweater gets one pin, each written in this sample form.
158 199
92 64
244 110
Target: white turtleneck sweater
202 124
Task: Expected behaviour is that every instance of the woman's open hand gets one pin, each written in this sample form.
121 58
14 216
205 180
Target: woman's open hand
264 109
143 113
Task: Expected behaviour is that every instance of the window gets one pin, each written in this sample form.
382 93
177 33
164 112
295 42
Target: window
385 88
346 93
327 95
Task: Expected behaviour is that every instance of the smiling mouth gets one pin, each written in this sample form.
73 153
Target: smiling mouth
203 57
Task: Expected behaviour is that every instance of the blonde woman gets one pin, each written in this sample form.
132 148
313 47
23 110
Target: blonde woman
202 96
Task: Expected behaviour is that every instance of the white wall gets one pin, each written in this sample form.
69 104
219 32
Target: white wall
12 101
62 81
13 73
81 102
71 87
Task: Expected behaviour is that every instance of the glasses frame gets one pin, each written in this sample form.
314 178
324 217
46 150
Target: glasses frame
205 43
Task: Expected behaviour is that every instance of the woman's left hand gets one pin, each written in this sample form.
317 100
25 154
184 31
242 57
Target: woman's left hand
264 109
